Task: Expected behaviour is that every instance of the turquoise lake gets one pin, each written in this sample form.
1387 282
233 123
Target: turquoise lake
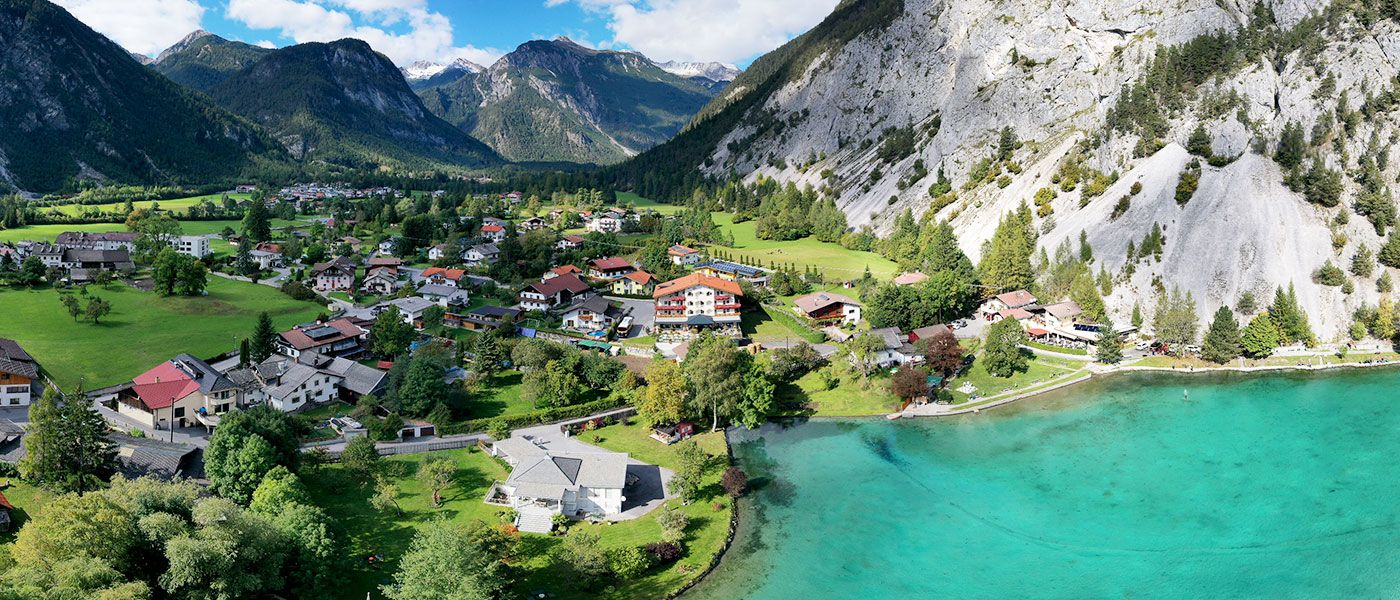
1278 486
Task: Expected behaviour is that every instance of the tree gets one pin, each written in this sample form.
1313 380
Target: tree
1109 349
423 388
386 496
488 354
691 462
865 349
31 271
243 262
360 456
1247 305
581 555
1292 146
666 396
1175 321
715 367
909 382
246 445
1363 263
734 481
451 561
70 302
390 335
1199 142
757 402
1260 337
279 489
1006 258
1289 316
262 345
257 223
314 548
673 523
88 527
628 562
436 475
433 317
67 445
1390 252
1003 356
97 308
233 554
942 352
1222 342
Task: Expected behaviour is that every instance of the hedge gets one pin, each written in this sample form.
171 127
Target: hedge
539 417
801 329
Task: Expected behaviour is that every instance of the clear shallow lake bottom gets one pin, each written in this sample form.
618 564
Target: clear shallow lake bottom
1277 486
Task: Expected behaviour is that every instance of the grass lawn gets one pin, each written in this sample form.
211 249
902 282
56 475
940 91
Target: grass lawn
1040 371
27 500
502 397
850 398
388 534
1059 349
143 328
833 260
641 203
47 232
174 205
759 326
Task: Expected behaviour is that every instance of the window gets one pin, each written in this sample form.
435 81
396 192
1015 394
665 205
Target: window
179 412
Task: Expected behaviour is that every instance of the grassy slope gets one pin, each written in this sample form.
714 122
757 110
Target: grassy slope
142 330
47 233
174 205
832 260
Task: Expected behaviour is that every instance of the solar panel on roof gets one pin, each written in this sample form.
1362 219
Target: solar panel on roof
321 333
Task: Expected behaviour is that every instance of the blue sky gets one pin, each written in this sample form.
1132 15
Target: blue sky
729 31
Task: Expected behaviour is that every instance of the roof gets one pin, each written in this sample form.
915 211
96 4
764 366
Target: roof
1016 313
565 270
486 249
542 474
492 228
733 268
412 304
386 262
570 283
573 239
331 267
14 360
641 277
679 250
495 312
1064 310
910 278
597 304
452 274
78 237
924 333
291 379
610 264
1036 332
304 337
1016 299
814 302
120 255
433 289
139 456
177 378
890 336
675 286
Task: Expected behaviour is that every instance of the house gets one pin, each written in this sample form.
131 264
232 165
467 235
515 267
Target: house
493 232
341 337
992 308
392 262
443 295
683 255
561 270
482 255
609 268
557 291
895 350
636 283
1064 315
568 483
412 309
19 374
149 457
381 281
608 222
911 278
291 384
336 275
570 242
81 240
593 315
484 318
441 276
732 271
191 245
183 390
437 252
533 224
925 333
494 222
828 307
687 305
388 246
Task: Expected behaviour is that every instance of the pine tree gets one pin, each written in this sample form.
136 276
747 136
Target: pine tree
1260 337
67 444
257 224
1137 315
1384 285
1006 258
1110 345
1290 318
263 343
1390 252
1222 343
1363 263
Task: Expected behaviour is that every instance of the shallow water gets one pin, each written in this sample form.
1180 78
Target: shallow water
1278 486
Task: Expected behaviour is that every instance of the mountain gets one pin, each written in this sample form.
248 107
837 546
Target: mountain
1086 111
425 74
74 105
557 101
203 60
713 75
344 104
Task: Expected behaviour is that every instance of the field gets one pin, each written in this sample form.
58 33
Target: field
850 398
175 205
832 260
640 203
142 330
47 232
387 534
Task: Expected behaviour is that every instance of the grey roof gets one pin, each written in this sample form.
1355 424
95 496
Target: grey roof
412 304
597 304
890 336
210 379
145 456
539 473
294 376
356 377
433 289
13 359
495 311
486 249
11 442
97 256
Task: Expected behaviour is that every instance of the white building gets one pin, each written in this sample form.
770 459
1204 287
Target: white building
569 483
695 302
608 222
19 374
191 245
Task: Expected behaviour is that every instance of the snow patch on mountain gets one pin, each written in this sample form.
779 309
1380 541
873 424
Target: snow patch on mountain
713 71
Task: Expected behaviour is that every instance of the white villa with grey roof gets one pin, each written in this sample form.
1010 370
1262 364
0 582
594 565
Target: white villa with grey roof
569 483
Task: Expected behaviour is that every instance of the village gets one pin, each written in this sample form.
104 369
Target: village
568 357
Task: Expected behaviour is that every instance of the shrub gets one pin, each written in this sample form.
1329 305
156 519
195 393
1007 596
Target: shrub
1330 275
629 562
664 552
734 481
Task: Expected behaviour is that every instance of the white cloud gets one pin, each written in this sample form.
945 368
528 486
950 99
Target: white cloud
266 44
141 26
417 33
728 31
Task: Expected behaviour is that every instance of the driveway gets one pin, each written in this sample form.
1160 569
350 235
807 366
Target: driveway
643 314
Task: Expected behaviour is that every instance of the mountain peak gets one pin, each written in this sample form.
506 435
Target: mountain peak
185 42
714 71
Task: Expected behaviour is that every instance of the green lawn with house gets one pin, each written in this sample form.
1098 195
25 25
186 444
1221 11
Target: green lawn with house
853 396
48 232
388 534
27 500
143 328
833 260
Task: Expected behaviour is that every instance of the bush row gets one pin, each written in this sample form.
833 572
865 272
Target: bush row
538 417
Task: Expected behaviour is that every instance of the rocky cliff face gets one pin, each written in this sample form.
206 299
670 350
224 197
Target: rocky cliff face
951 74
557 101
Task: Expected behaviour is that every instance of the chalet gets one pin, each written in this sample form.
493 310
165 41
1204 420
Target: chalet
609 268
267 260
1064 315
561 270
557 291
993 308
441 276
697 302
828 307
533 224
593 315
437 252
570 242
495 233
895 348
149 457
184 390
385 261
291 384
19 374
731 271
636 283
494 221
388 246
481 255
341 337
443 295
683 256
483 318
336 275
381 281
608 222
